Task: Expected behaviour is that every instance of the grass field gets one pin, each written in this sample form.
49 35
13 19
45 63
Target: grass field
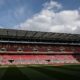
66 72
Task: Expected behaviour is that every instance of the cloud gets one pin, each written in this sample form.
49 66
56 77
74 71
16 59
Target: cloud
1 27
19 11
52 5
52 18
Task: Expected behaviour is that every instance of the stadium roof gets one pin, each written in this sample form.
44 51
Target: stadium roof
24 34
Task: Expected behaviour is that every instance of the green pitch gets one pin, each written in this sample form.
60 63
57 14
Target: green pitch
39 72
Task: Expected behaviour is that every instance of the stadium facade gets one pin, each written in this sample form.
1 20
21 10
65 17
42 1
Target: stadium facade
21 47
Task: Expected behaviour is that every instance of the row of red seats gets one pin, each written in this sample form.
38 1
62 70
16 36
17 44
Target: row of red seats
38 59
42 49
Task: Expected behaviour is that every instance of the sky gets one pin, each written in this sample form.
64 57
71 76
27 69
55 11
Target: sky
62 16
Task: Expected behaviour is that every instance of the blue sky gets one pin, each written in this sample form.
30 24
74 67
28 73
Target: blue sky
11 15
19 12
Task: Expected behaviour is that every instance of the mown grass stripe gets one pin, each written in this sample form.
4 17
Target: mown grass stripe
34 75
64 70
2 71
55 74
13 73
75 68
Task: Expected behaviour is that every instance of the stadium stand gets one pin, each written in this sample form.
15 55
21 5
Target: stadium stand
18 47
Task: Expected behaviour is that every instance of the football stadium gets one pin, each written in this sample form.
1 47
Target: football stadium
36 55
